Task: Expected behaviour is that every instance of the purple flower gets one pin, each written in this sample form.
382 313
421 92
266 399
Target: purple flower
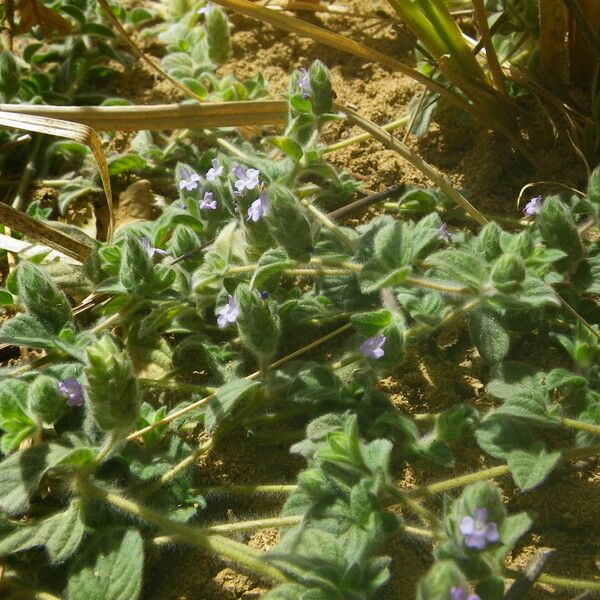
477 531
228 313
461 593
71 389
245 179
444 233
372 347
150 249
304 84
264 295
258 208
207 201
204 10
215 171
189 181
533 207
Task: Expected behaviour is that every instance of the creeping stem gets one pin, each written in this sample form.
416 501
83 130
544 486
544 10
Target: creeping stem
195 536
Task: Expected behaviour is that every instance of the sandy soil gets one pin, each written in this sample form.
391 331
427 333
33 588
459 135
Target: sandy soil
448 370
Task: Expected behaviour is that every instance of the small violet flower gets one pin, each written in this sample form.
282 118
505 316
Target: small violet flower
189 181
204 10
228 313
304 84
150 249
207 201
444 233
533 207
215 171
72 390
461 593
258 208
245 179
264 295
477 531
372 347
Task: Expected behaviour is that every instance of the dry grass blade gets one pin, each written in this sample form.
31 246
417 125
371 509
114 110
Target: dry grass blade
388 140
486 39
163 116
339 42
65 129
41 232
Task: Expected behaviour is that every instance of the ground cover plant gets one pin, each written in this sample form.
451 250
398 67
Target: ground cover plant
243 307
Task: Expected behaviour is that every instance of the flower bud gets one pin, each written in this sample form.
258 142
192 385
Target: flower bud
258 326
111 385
508 273
288 223
320 84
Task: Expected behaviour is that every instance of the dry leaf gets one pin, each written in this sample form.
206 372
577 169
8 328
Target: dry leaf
33 12
135 204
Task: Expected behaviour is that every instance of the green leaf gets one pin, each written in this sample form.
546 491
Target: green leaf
441 577
453 423
487 243
513 528
61 534
111 385
376 275
125 162
10 76
559 230
21 473
508 273
15 420
45 401
370 323
499 436
489 335
465 267
137 271
26 330
594 189
97 29
269 269
530 468
42 297
217 35
110 567
287 146
227 400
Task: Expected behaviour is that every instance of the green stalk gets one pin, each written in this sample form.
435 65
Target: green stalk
448 30
425 32
195 536
246 489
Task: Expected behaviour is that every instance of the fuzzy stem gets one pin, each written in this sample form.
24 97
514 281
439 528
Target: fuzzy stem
176 470
580 425
273 365
491 473
239 553
331 226
363 137
118 316
185 388
246 489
